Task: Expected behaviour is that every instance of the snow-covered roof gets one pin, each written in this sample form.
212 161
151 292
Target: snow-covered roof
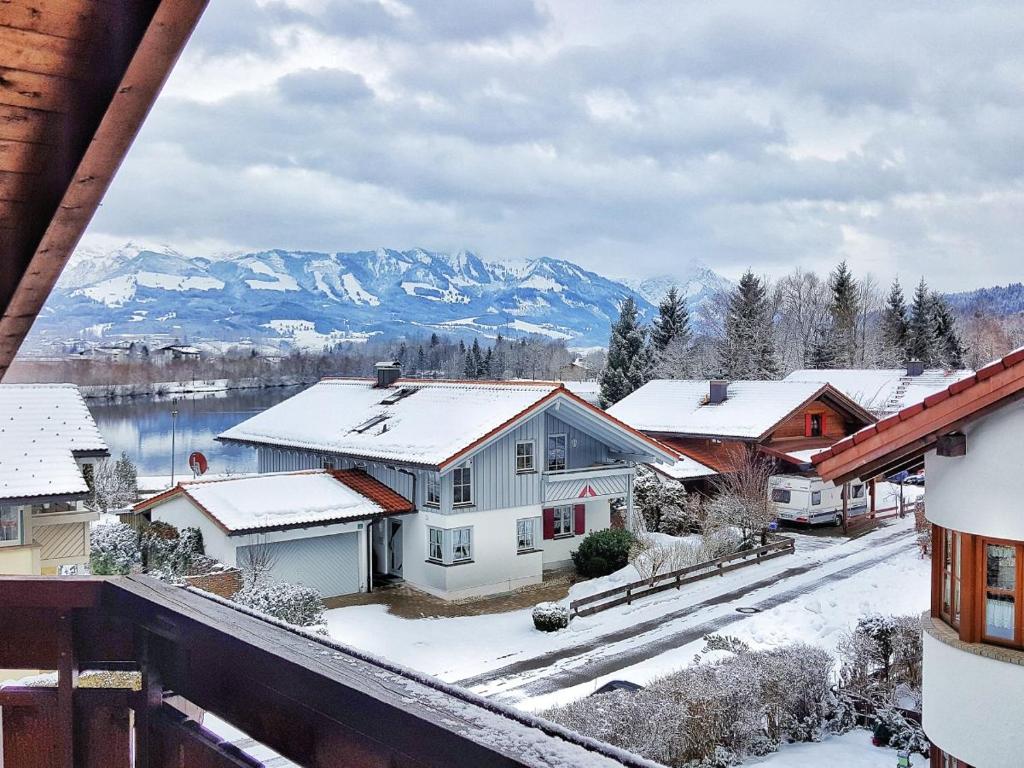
285 499
685 468
882 391
42 428
431 423
588 390
680 407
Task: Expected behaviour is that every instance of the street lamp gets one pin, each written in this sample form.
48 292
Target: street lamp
174 419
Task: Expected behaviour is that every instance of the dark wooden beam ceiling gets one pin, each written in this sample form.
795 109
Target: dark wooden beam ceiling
77 79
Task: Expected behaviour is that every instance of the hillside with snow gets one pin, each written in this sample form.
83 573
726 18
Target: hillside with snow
308 299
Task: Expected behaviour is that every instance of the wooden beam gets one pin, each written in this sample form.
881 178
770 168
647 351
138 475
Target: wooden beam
951 446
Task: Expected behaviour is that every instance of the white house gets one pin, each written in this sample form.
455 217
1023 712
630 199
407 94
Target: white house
48 446
883 391
505 477
969 437
308 527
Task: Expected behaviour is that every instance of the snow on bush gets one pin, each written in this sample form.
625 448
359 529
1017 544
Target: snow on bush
654 555
881 659
550 617
114 550
900 732
291 603
716 714
113 485
603 552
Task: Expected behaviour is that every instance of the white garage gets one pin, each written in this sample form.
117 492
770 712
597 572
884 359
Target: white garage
306 527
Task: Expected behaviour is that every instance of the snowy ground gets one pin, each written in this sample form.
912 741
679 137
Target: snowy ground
851 750
812 596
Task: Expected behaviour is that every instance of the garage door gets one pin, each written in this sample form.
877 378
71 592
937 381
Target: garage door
329 564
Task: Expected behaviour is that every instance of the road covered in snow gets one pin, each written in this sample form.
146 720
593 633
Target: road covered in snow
812 596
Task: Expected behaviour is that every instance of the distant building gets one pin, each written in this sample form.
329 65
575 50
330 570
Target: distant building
577 370
180 352
48 446
883 391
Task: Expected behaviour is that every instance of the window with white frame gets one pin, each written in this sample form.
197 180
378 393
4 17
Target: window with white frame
462 485
557 450
435 544
815 498
462 544
10 526
524 456
433 490
563 521
525 534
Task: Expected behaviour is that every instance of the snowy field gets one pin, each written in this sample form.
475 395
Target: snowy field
814 596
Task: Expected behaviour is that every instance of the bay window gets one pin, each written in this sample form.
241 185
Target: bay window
462 545
449 546
1001 592
951 564
435 544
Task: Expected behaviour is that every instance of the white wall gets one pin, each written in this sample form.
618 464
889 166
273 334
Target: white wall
981 492
558 552
182 513
973 706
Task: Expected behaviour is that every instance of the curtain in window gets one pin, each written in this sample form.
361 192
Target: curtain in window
10 524
1000 591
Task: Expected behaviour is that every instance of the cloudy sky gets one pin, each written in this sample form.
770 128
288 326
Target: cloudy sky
630 136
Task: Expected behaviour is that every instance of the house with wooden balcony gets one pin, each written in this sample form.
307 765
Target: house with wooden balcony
505 477
968 438
48 446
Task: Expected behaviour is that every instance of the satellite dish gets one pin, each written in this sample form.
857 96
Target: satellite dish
198 463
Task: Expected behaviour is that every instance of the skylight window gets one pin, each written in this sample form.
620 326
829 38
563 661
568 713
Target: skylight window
400 394
369 423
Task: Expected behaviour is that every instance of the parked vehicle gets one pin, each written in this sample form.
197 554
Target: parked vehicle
809 500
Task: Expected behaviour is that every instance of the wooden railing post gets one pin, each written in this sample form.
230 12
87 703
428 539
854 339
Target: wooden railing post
149 703
67 682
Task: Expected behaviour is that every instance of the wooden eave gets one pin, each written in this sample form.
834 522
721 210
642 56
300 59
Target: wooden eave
900 440
77 79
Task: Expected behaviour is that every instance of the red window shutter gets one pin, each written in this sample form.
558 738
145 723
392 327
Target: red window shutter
807 425
549 523
580 513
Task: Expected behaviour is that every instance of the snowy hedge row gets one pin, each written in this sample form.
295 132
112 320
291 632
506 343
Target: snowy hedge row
293 603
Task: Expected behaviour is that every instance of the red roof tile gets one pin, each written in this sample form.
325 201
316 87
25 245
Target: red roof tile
938 397
390 501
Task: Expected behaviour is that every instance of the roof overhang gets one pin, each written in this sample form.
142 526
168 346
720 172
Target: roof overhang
77 79
899 441
18 501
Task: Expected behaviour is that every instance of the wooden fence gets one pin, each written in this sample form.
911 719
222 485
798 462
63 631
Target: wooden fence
627 593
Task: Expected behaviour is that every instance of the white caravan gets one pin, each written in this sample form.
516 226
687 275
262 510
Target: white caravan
810 500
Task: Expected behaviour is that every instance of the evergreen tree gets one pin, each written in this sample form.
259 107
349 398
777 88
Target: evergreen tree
487 361
478 360
949 348
500 361
421 359
844 309
921 341
671 337
469 367
748 352
822 350
628 364
894 326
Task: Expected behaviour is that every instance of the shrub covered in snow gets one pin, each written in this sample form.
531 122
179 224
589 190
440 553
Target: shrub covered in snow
901 733
292 603
665 505
603 552
114 550
170 553
718 713
550 617
881 658
113 485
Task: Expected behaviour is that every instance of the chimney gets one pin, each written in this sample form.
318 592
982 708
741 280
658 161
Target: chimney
388 373
719 392
915 368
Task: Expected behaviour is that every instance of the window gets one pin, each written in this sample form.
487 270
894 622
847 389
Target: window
857 491
10 526
435 548
525 532
781 496
433 490
814 425
563 521
524 456
328 464
556 453
462 545
815 498
1000 592
462 485
951 578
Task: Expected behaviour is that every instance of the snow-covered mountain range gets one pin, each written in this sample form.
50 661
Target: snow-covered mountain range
310 299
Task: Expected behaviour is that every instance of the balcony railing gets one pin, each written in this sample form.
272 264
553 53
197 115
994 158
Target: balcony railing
313 702
608 480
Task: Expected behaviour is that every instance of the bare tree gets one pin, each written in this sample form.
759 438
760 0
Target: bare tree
257 559
741 496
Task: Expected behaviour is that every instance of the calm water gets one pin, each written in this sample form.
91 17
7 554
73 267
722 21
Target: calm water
142 428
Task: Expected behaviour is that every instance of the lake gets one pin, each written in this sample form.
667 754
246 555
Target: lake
141 427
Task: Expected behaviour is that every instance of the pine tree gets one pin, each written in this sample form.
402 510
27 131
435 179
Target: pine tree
500 361
478 360
748 351
822 351
628 364
421 360
671 337
949 348
488 359
921 341
894 327
844 309
469 367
